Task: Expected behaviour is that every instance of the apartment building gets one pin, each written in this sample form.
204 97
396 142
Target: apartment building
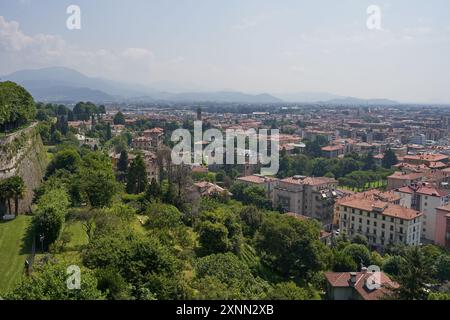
425 198
443 226
267 183
311 197
333 151
380 222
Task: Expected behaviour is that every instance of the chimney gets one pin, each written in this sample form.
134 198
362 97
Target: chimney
352 278
364 270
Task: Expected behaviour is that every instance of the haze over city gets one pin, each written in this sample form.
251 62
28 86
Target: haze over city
277 47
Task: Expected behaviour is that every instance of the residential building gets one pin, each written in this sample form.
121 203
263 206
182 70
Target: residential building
312 197
443 226
267 183
425 198
362 285
380 222
334 151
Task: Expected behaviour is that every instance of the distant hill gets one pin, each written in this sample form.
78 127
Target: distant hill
49 84
225 96
356 101
59 84
307 97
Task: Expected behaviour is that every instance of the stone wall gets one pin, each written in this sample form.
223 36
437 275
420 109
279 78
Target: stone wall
22 153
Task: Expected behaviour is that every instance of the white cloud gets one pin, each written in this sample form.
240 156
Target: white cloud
249 22
44 50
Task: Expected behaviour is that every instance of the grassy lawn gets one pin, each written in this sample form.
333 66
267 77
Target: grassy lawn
78 237
14 248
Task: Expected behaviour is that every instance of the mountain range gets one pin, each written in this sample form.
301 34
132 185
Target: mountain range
59 84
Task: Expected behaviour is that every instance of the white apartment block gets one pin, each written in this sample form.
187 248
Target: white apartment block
424 198
380 222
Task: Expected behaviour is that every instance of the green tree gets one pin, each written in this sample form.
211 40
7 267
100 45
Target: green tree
108 132
369 161
122 164
442 267
213 238
17 189
414 275
393 264
389 159
96 179
359 253
344 262
290 291
48 282
153 190
49 215
17 107
137 176
224 276
292 247
119 118
252 219
67 159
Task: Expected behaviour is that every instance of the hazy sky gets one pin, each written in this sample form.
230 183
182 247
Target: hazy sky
275 46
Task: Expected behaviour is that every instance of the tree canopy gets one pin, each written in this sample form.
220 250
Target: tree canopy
17 106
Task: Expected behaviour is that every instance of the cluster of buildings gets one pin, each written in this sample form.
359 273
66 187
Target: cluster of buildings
413 210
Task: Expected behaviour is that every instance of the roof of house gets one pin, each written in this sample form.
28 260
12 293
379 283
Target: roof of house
374 194
425 189
384 208
256 179
343 280
333 148
315 181
431 157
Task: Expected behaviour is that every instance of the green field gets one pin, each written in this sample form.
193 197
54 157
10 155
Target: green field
14 248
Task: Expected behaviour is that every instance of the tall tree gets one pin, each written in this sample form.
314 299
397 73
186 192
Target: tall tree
18 189
137 176
119 118
122 164
414 275
108 132
389 159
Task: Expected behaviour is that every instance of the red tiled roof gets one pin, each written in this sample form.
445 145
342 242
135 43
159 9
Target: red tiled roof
425 190
388 209
256 179
309 180
332 148
342 280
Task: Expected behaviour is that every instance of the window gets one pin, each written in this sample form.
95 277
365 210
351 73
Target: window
392 228
353 218
383 225
375 223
